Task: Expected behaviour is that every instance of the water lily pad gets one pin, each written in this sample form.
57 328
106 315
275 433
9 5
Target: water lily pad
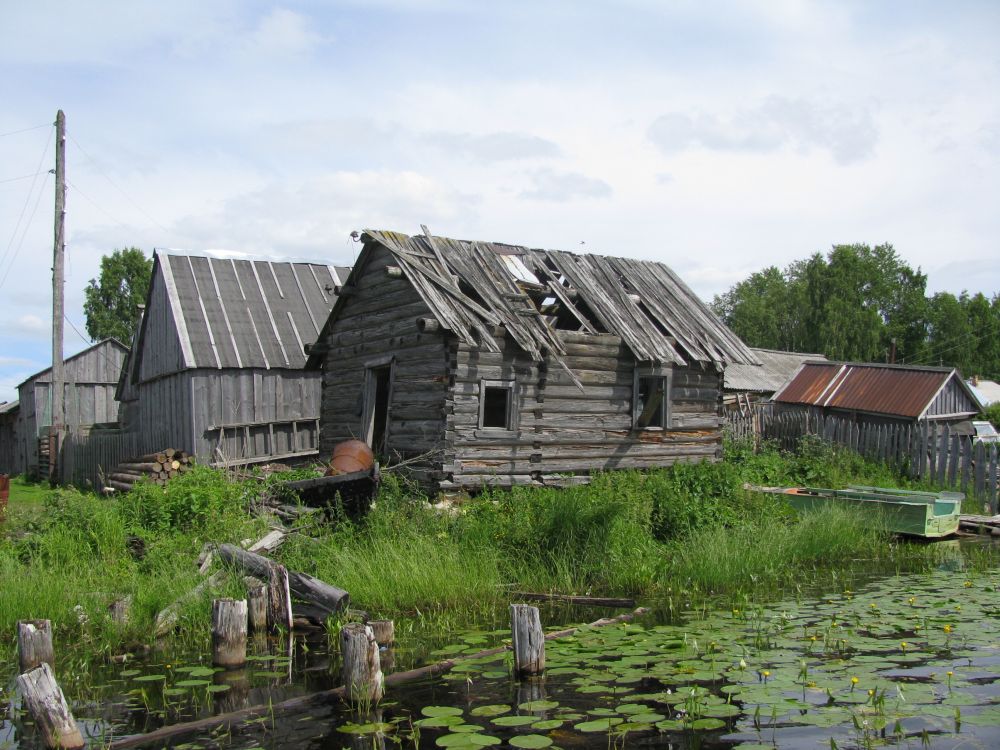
530 741
270 675
436 722
370 728
598 725
707 724
438 711
150 678
538 705
218 688
466 740
192 683
514 721
548 724
495 709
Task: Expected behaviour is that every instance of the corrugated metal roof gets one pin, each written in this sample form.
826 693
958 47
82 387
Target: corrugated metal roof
988 391
656 315
894 390
246 313
774 370
9 406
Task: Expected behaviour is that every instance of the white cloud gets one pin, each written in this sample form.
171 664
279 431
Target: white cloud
284 32
848 132
491 147
549 185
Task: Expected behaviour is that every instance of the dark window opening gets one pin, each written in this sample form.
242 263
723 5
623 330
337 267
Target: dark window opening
496 406
650 402
380 423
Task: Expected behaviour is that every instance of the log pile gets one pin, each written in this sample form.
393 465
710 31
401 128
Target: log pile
157 468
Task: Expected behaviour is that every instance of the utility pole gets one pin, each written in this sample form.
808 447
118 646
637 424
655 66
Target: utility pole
58 282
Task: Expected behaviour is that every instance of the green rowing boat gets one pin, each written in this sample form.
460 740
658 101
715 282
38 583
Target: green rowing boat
925 514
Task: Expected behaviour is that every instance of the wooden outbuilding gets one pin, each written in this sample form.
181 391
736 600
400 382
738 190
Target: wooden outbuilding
9 444
216 368
486 363
88 399
745 385
872 393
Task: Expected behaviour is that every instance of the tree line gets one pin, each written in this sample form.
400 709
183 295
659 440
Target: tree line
864 304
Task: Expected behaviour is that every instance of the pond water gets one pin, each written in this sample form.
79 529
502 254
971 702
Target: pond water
911 659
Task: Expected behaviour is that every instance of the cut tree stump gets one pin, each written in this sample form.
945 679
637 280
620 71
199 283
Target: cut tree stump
384 631
229 632
362 671
34 644
47 705
528 640
257 608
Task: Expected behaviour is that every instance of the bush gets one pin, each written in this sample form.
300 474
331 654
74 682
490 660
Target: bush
201 497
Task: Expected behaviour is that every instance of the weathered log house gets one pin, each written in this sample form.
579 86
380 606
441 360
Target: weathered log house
216 367
496 364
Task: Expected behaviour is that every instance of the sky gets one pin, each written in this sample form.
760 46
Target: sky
717 137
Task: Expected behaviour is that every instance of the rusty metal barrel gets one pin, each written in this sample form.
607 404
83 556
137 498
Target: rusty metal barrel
351 456
4 492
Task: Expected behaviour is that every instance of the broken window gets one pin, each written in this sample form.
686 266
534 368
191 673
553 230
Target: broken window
651 400
496 404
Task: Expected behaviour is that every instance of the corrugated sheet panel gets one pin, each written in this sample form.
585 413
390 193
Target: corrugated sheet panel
879 389
774 370
242 313
656 315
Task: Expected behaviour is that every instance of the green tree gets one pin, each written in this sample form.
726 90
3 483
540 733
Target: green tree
111 303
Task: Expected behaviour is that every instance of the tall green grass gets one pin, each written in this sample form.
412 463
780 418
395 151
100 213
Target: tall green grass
691 526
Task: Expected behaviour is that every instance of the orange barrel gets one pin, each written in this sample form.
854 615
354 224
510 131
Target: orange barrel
351 456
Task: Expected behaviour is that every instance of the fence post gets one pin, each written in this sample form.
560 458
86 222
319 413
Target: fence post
48 707
528 640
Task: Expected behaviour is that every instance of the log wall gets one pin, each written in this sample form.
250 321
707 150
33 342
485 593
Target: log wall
560 430
377 320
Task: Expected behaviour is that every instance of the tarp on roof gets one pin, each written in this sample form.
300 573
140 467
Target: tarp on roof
774 370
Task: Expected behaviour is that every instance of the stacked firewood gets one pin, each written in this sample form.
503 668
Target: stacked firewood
157 468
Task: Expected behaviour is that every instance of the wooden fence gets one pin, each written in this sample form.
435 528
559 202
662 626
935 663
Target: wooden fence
85 457
925 451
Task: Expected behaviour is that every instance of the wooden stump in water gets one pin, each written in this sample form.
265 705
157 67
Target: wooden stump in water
528 640
362 671
384 631
47 705
257 608
229 632
34 644
279 598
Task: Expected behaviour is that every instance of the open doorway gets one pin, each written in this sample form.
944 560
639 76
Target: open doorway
378 391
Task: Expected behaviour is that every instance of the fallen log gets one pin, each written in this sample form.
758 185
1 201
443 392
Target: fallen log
303 586
396 678
590 601
150 467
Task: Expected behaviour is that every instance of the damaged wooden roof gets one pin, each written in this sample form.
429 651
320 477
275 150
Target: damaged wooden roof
472 287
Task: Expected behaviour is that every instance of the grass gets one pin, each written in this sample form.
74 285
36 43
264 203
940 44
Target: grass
690 528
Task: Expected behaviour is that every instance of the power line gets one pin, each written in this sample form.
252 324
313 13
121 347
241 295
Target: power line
23 235
94 203
27 199
114 184
25 130
22 177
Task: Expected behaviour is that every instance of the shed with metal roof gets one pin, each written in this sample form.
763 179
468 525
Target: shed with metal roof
489 363
762 380
877 392
216 368
9 443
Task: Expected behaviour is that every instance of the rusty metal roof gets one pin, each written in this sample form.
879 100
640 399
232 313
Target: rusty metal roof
894 390
774 370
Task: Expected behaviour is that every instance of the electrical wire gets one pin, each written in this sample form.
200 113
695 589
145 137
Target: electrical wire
94 203
25 130
22 177
20 244
113 183
27 200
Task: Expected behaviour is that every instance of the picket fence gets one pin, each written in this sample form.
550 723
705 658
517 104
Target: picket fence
925 450
85 457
